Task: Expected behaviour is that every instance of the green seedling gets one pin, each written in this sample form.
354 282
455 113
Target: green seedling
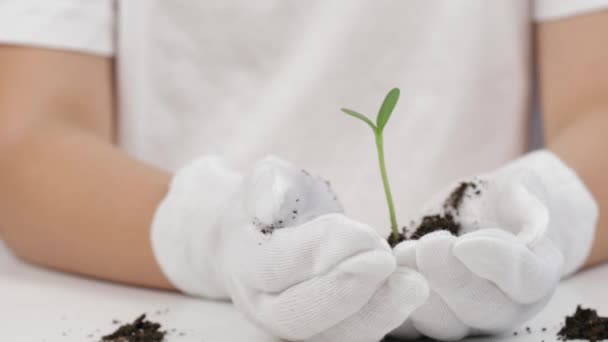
383 115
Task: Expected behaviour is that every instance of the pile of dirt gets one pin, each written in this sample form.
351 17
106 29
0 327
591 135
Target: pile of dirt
141 330
584 324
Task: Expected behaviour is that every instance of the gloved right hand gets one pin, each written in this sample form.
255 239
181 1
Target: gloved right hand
522 227
276 243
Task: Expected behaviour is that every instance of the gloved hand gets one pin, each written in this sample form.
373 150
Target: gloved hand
522 227
276 243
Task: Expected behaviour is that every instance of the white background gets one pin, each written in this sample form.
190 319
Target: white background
42 305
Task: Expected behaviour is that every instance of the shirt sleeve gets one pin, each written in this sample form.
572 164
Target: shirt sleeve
79 25
555 9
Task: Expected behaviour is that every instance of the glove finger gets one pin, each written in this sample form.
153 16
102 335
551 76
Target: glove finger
317 304
436 320
405 253
278 193
289 256
406 331
523 274
522 212
477 302
389 307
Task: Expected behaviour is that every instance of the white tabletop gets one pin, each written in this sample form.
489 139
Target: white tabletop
42 305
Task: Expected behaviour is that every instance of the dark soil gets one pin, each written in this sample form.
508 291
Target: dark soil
434 223
444 221
585 324
454 201
140 330
392 241
267 229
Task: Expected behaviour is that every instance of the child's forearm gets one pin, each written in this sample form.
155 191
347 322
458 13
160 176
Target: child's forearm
573 88
69 199
583 146
73 202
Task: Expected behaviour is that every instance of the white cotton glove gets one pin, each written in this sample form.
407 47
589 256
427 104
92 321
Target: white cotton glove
523 227
276 243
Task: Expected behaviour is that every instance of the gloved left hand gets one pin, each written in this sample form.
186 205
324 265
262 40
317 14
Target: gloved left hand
275 242
522 227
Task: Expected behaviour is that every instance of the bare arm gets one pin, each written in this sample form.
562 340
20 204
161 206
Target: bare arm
71 200
573 57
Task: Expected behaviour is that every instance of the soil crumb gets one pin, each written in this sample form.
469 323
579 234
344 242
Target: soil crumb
267 229
141 330
584 324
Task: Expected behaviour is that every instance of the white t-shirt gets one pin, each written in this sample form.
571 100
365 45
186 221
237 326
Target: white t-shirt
244 79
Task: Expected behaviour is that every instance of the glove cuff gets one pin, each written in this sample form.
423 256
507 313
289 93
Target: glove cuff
573 212
184 230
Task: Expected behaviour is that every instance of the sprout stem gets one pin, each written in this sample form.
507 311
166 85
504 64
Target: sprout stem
382 118
387 187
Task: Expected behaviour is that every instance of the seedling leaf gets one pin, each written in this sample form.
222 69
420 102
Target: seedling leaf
387 108
360 117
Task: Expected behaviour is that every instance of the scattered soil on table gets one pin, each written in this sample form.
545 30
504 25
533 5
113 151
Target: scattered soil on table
141 330
443 221
584 324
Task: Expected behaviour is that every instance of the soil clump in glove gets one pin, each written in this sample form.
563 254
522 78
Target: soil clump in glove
442 221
